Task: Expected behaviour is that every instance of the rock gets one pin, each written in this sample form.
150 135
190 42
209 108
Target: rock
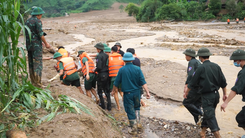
165 126
188 128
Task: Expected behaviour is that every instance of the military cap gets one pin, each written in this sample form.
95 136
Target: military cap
118 44
105 45
57 54
238 55
37 11
203 52
107 49
190 52
128 57
99 46
80 52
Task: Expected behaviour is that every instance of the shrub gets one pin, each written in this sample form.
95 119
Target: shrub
132 9
214 6
207 16
171 11
147 10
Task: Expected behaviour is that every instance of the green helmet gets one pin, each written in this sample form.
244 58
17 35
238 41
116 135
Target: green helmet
99 46
80 52
105 45
190 52
57 54
107 49
37 11
203 52
238 55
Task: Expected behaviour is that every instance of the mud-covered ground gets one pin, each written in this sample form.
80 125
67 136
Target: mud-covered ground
159 45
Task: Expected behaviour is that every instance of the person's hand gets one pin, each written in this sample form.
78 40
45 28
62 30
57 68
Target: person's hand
185 95
48 45
87 77
223 106
148 96
224 97
112 93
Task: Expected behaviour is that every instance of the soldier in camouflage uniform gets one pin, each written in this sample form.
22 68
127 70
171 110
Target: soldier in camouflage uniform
34 45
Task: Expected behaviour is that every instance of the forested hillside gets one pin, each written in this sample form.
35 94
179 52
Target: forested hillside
157 10
149 10
56 8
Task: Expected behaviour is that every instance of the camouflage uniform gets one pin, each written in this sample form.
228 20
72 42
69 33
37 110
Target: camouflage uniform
34 48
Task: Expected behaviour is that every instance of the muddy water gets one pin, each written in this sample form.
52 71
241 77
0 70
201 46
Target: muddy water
83 41
172 111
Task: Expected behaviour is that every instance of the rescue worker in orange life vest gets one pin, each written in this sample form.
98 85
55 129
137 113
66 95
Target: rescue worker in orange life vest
67 68
63 52
115 62
88 74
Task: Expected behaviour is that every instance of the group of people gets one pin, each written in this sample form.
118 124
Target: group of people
203 81
118 72
237 20
112 72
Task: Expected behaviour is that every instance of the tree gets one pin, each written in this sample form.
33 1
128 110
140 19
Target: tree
147 10
170 11
214 6
132 9
121 7
231 6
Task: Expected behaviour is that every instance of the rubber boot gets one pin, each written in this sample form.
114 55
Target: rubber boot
102 103
139 125
108 96
133 127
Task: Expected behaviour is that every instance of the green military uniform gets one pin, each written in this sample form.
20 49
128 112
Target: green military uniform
91 83
193 101
239 86
34 47
103 76
73 79
209 78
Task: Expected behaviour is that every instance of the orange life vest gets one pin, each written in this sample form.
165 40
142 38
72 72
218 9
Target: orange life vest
69 66
90 64
115 63
228 20
63 52
237 19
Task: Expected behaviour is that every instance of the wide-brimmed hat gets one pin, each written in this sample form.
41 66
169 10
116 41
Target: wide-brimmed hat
80 52
190 52
238 55
118 44
107 49
128 57
37 11
99 46
203 52
57 54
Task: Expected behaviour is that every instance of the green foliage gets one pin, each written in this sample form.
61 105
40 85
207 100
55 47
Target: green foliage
121 7
170 11
214 6
207 16
147 10
194 10
232 7
19 98
96 5
132 9
132 1
225 17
